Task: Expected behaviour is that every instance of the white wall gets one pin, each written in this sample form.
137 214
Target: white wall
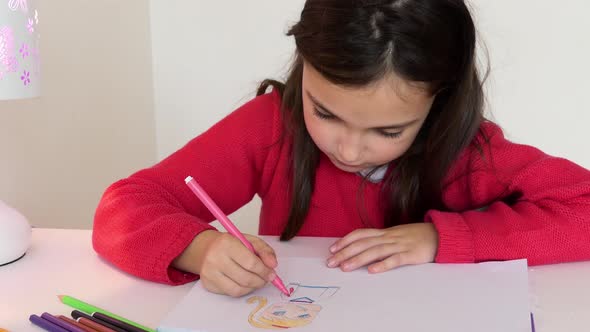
94 122
208 57
540 74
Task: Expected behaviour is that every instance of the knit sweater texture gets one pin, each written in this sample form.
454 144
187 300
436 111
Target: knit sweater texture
145 221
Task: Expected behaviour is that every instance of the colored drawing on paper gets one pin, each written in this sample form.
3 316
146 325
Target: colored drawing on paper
298 310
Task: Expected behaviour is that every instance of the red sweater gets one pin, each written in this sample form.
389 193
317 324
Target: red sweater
143 222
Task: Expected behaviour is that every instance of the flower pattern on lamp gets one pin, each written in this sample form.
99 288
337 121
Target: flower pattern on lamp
20 74
19 78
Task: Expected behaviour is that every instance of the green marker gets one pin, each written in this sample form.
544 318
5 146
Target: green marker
90 309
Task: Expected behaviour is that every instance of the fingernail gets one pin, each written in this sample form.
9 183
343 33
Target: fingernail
332 249
374 269
271 277
331 263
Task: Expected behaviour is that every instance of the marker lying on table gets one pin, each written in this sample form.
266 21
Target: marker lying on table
76 323
116 322
97 327
45 324
79 316
66 325
90 309
227 224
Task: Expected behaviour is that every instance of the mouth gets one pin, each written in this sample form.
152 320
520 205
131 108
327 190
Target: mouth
347 167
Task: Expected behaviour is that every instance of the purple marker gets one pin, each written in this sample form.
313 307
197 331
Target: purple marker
45 324
64 324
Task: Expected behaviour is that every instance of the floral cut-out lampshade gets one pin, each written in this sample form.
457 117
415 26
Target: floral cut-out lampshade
20 65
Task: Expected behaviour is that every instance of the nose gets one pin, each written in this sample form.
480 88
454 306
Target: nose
350 148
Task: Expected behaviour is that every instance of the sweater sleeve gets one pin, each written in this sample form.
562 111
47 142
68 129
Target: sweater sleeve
511 201
145 221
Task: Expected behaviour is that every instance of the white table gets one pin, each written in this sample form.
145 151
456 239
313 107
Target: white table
63 262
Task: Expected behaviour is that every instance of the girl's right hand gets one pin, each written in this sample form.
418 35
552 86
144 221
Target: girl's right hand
225 265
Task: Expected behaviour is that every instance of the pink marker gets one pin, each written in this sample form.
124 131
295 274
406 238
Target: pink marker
227 224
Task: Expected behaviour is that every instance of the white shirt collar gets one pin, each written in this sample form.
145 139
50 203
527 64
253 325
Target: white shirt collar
377 175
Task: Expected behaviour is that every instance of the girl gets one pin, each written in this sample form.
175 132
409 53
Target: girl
377 137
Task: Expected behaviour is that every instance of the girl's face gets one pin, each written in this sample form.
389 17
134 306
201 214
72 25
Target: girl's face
364 127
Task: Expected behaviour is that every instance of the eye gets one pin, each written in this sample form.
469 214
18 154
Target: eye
390 135
279 313
303 316
321 114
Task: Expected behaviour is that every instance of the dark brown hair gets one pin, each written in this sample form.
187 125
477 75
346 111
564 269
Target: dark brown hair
354 43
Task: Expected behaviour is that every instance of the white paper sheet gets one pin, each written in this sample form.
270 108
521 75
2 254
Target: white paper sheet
485 297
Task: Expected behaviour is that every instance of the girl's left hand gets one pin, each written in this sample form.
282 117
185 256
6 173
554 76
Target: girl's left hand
385 249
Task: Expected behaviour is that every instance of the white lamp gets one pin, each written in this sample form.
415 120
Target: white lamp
19 78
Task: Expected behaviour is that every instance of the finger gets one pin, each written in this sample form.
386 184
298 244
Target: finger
224 285
354 249
355 236
242 276
264 251
389 263
212 284
373 254
253 264
249 260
